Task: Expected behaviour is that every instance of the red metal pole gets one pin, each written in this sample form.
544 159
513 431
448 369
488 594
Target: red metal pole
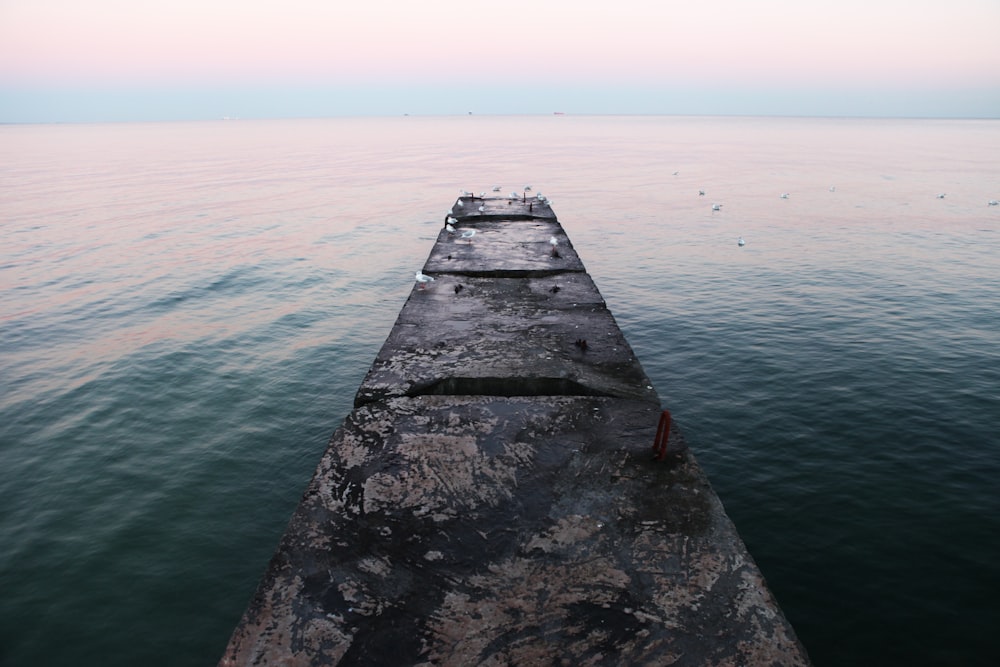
662 433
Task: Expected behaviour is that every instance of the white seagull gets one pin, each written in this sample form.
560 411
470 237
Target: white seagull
740 241
423 279
716 207
941 196
482 209
993 202
468 234
496 188
784 195
450 227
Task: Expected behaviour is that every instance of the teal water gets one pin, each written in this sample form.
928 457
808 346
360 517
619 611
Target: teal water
187 310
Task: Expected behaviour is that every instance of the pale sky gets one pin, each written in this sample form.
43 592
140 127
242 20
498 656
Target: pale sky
71 60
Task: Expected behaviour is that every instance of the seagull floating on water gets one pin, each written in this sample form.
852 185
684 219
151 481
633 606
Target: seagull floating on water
941 196
527 188
784 195
496 188
993 202
740 241
716 207
423 279
701 193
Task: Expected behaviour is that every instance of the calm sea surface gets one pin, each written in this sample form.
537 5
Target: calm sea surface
186 311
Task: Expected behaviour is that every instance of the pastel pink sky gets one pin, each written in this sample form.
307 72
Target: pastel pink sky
769 43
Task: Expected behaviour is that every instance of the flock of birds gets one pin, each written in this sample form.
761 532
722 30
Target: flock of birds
514 196
468 234
784 195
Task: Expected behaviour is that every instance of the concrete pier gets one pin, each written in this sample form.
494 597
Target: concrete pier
493 500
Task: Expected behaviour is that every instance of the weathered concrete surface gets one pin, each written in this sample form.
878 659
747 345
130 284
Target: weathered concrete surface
503 248
495 206
519 336
493 500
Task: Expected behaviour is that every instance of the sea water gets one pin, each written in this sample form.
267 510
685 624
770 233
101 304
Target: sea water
186 311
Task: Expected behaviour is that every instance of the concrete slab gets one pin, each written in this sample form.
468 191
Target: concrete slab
503 247
443 530
523 206
514 336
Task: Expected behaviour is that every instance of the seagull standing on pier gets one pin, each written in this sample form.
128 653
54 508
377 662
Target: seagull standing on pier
422 279
468 234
